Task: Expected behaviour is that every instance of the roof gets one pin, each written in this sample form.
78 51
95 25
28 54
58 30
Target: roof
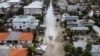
4 52
13 36
21 36
26 36
3 35
97 29
70 17
35 4
14 1
95 48
22 18
79 28
80 44
4 5
18 52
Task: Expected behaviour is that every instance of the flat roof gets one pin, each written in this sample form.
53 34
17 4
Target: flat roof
4 35
14 1
26 36
79 28
18 52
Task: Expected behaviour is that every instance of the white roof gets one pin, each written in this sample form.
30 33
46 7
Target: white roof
80 44
79 28
35 4
95 48
4 5
22 18
97 29
14 1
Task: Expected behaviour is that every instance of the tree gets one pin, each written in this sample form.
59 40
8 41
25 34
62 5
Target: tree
89 46
31 50
69 50
98 41
20 11
86 53
79 51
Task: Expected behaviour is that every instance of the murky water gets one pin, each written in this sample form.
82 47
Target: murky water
50 22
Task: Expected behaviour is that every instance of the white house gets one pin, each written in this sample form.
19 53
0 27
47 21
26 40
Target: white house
80 23
72 7
67 17
15 3
33 8
4 7
97 30
95 51
24 22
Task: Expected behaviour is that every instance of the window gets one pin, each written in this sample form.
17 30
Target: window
24 26
24 22
20 27
15 26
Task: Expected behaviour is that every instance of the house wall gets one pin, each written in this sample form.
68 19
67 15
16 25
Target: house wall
72 7
32 11
5 9
95 53
21 25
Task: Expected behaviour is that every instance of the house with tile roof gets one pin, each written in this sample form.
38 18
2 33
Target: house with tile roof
13 52
16 37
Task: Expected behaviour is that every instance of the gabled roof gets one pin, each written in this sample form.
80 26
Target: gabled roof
17 36
18 52
4 35
27 36
35 4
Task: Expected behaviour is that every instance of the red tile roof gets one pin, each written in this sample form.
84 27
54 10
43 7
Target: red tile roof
3 36
18 52
26 36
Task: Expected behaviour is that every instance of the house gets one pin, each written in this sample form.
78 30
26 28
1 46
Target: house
33 8
95 51
80 23
24 22
13 52
4 7
15 3
67 17
96 29
80 44
16 37
72 7
79 28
